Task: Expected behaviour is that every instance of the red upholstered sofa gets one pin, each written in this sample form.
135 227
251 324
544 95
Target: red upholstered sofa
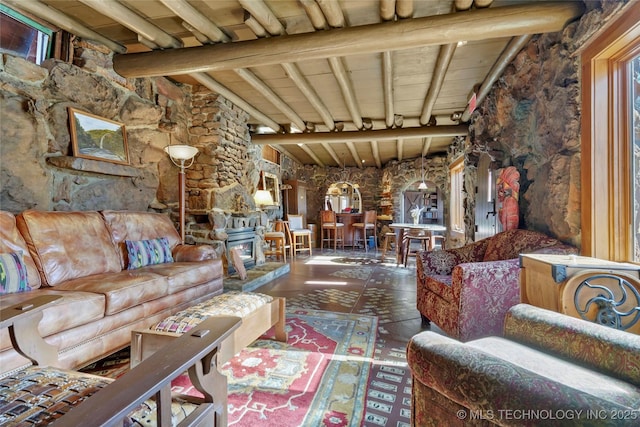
82 256
467 291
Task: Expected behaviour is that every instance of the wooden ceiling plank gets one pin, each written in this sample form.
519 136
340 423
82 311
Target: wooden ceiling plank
478 24
311 154
65 22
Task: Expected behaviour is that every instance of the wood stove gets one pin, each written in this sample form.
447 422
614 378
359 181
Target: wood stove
245 240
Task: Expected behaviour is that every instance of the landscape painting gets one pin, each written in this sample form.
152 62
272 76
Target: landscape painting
97 138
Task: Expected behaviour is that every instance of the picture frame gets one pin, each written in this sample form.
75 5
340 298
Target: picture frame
271 184
94 137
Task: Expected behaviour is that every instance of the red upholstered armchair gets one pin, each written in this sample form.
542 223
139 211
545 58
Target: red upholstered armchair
467 291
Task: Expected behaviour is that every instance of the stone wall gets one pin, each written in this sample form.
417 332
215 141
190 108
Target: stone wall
35 130
531 120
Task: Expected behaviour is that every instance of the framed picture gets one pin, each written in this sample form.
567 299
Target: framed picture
97 138
271 184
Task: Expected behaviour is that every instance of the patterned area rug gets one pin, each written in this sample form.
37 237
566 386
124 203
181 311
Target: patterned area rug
318 378
356 260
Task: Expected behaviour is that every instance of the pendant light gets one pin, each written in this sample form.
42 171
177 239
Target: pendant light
423 185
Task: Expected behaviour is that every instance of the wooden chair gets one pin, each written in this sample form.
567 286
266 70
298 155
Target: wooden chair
369 224
300 236
422 237
329 223
277 240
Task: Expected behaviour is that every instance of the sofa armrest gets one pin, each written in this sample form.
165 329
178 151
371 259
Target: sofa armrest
193 253
441 262
22 319
603 348
485 291
490 385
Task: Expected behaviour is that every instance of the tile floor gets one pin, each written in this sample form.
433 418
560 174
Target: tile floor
352 281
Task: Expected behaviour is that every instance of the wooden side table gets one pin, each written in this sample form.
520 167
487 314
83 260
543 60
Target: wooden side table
544 277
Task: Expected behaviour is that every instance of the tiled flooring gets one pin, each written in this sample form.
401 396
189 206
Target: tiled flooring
352 281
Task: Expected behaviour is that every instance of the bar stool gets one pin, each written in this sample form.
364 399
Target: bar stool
329 223
389 237
300 236
277 241
441 239
368 224
415 235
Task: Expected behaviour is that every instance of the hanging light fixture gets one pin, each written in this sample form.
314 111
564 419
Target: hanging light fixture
423 185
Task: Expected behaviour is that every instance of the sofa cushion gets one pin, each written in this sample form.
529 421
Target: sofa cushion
72 310
12 241
148 252
129 225
68 245
559 376
183 275
122 290
13 273
510 244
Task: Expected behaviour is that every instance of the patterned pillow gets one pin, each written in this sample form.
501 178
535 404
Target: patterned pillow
148 252
13 273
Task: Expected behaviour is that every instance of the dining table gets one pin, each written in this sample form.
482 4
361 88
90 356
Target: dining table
401 227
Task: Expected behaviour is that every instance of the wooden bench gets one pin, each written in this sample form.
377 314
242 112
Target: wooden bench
259 312
45 394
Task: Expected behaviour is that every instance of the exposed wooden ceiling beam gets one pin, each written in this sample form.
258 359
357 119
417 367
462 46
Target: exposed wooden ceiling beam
404 8
314 13
376 153
360 136
63 21
400 147
271 96
288 153
426 145
354 153
387 9
254 25
477 24
263 14
208 81
309 92
387 85
125 16
194 18
331 152
439 73
346 87
515 45
312 155
333 13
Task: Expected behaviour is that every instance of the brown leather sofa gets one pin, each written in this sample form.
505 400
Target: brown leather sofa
82 256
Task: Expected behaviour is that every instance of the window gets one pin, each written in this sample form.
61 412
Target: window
457 197
23 37
611 141
270 154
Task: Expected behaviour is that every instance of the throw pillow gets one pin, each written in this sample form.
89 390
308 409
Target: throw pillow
13 273
148 252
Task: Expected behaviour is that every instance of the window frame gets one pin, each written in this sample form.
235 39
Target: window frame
606 140
456 198
40 28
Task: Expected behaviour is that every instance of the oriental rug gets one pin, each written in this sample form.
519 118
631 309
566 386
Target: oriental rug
319 377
